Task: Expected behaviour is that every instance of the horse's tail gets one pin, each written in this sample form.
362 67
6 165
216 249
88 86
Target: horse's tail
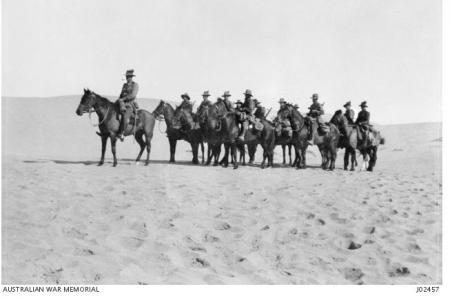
382 140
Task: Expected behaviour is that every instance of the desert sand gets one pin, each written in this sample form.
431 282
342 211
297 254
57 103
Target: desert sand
67 221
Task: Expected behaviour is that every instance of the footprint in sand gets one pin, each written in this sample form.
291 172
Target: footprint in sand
137 232
353 274
335 217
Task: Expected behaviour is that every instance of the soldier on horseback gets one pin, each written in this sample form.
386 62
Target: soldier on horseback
285 122
363 121
187 107
205 102
349 113
315 112
127 103
248 109
226 101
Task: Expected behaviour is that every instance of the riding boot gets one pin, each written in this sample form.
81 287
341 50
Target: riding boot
244 128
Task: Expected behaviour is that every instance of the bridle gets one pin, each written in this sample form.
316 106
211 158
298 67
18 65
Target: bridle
103 120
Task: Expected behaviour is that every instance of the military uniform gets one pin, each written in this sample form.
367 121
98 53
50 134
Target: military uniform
363 118
226 101
363 122
126 100
316 111
248 108
284 117
349 115
187 109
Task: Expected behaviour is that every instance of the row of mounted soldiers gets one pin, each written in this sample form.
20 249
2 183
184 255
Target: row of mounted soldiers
250 110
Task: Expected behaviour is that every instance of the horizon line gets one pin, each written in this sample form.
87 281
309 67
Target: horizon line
154 98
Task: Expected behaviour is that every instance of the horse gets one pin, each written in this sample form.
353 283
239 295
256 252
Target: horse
367 147
175 132
264 137
283 139
220 127
327 144
299 135
109 121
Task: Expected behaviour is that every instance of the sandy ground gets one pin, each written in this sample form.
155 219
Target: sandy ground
67 221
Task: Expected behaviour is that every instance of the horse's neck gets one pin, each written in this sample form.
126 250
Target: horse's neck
168 114
102 106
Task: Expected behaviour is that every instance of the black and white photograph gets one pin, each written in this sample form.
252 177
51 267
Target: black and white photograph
196 142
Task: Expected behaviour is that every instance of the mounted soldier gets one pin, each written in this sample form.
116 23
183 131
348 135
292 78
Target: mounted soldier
315 112
205 102
238 105
362 121
349 113
248 109
226 101
126 101
187 108
285 122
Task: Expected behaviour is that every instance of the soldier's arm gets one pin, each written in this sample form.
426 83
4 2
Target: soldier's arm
133 94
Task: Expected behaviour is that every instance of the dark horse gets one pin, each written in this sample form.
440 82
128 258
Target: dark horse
327 143
265 137
300 133
109 118
177 130
220 127
283 139
368 147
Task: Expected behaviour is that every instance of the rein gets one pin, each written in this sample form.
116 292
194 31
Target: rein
103 120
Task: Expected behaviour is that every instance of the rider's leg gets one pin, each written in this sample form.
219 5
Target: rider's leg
245 125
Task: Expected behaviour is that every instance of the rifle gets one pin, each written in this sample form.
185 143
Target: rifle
268 112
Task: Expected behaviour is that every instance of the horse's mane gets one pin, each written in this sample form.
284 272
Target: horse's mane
99 96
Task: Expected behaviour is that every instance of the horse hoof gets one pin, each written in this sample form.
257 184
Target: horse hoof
114 165
100 164
236 167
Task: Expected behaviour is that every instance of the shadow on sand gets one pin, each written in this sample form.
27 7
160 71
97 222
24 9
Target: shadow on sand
152 162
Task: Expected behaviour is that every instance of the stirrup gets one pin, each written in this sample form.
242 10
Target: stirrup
121 137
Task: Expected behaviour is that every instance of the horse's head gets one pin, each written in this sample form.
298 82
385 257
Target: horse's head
213 114
278 126
86 103
339 120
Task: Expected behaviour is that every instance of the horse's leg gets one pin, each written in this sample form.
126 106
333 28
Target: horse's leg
365 158
373 159
202 150
113 150
225 160
303 157
264 157
148 149
234 155
172 143
194 150
333 159
346 158
283 146
104 146
209 154
353 161
290 154
139 139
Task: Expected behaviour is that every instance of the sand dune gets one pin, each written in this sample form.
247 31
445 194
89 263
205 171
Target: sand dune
65 220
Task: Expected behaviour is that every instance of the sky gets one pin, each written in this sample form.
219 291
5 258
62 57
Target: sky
387 52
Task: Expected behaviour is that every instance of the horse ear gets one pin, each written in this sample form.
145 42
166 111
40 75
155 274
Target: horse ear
84 90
